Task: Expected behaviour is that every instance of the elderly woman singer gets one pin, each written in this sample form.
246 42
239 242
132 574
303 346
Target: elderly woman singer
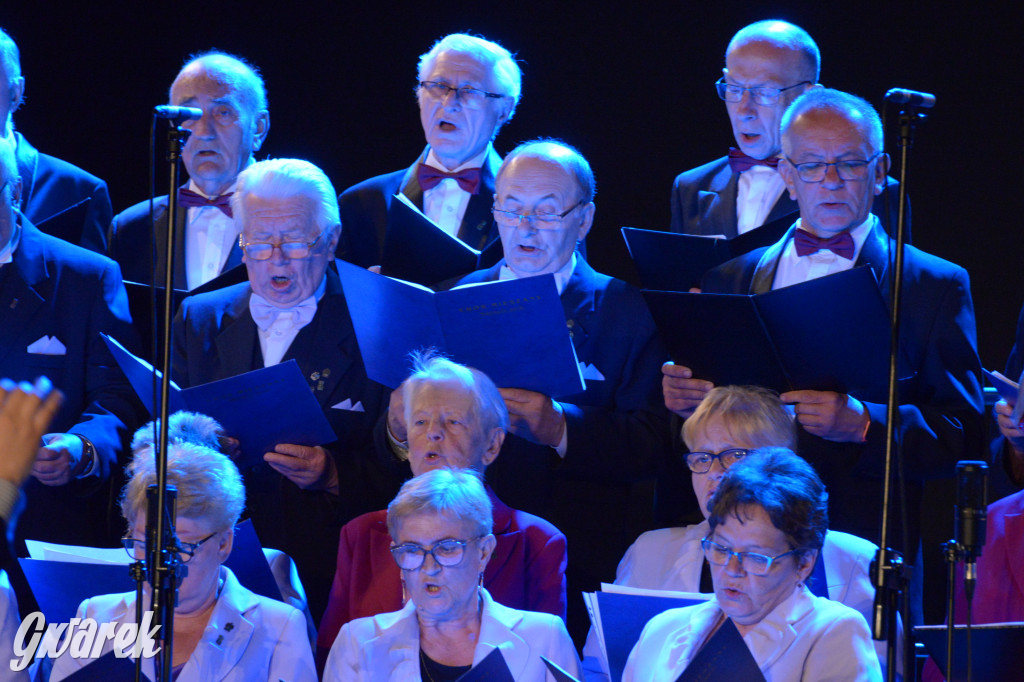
440 522
222 631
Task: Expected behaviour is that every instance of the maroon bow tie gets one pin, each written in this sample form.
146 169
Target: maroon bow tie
807 243
190 199
468 178
739 162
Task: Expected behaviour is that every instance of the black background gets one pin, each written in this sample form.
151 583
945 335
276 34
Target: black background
630 84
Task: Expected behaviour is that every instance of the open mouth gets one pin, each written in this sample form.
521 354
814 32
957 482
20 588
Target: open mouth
446 126
432 588
280 281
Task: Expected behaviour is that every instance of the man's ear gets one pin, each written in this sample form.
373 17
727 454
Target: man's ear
17 93
881 171
788 173
262 128
494 440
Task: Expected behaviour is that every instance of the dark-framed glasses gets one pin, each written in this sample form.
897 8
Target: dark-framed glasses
538 221
751 562
473 98
701 462
186 550
764 95
411 556
850 169
291 250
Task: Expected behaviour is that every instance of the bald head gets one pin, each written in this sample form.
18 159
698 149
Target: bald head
782 37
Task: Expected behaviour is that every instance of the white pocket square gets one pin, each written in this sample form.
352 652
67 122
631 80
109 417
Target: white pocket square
47 345
590 373
346 404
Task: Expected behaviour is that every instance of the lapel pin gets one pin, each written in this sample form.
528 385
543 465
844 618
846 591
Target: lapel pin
220 639
229 626
327 372
314 376
14 303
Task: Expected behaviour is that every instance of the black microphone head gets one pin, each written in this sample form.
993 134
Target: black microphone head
177 113
924 100
971 503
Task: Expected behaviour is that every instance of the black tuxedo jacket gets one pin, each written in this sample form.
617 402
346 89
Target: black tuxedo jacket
704 202
134 241
63 291
215 337
62 199
940 406
364 211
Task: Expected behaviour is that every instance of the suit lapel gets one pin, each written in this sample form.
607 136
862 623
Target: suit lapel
508 539
875 253
238 342
497 632
320 346
411 184
234 633
383 568
720 215
784 208
478 229
19 298
578 303
764 272
28 162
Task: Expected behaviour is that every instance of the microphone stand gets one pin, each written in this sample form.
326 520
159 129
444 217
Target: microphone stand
888 571
164 566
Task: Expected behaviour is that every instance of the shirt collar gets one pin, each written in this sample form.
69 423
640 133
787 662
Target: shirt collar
475 162
859 233
7 253
562 275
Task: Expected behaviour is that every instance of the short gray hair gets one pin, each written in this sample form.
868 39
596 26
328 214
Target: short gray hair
456 493
182 427
285 179
561 153
784 35
750 413
235 73
855 109
209 486
430 367
504 68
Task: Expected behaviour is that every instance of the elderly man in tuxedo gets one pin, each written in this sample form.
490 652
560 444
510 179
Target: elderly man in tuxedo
833 165
468 88
293 307
233 127
767 65
59 198
585 462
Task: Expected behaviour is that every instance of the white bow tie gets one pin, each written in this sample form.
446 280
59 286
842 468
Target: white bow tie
264 314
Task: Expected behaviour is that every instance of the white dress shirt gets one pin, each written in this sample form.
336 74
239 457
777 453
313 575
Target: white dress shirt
446 203
209 237
277 338
794 269
758 190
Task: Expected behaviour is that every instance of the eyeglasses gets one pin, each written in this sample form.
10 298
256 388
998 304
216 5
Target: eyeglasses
290 250
538 221
186 550
815 171
762 94
701 462
411 556
474 98
751 562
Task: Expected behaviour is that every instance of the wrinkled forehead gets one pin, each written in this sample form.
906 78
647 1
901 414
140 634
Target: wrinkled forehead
815 128
535 176
218 81
763 61
448 393
464 68
262 213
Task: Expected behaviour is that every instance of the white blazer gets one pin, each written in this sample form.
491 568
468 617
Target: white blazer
248 638
386 647
805 638
671 559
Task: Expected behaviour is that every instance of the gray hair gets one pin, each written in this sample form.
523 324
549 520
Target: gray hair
285 179
783 35
208 483
234 73
10 60
456 493
854 109
561 153
430 367
751 414
182 427
785 486
506 72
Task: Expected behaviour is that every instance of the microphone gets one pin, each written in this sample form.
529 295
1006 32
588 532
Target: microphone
177 113
914 98
971 515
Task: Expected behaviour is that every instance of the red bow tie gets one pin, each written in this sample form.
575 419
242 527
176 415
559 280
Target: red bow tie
739 162
807 243
190 199
468 178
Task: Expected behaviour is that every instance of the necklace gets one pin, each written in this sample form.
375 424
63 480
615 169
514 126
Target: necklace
426 668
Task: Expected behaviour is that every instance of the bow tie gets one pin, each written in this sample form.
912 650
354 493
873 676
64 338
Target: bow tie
468 178
190 199
264 314
807 243
739 162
